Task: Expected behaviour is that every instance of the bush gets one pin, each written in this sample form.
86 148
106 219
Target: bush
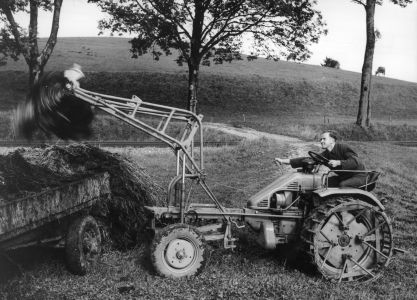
331 63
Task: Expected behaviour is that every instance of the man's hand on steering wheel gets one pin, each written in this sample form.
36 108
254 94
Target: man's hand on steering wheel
334 163
320 159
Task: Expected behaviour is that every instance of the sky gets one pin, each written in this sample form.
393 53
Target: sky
345 42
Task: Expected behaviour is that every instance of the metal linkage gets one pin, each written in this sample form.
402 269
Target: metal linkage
132 111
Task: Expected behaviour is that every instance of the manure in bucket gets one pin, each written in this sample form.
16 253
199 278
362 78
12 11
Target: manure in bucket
53 109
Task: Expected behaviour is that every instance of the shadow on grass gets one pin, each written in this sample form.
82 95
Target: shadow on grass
143 257
15 262
290 255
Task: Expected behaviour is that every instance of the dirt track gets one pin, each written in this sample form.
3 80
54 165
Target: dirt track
301 147
249 133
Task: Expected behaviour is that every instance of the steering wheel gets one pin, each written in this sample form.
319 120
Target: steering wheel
320 159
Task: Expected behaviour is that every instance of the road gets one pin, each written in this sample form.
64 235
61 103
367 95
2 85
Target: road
249 133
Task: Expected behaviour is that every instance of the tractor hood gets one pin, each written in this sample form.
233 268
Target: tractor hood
294 182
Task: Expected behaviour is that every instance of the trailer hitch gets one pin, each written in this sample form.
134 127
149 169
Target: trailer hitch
229 240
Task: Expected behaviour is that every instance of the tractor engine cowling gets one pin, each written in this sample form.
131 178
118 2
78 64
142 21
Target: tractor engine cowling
280 198
281 192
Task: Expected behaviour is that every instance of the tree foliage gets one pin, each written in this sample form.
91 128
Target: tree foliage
8 47
331 63
206 31
16 41
380 70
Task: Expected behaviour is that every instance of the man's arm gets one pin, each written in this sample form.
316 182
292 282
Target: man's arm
347 158
332 163
282 161
74 74
294 162
351 161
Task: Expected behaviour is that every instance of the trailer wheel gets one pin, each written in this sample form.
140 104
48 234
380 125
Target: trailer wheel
83 245
178 251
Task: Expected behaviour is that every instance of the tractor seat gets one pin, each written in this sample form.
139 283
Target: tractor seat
371 179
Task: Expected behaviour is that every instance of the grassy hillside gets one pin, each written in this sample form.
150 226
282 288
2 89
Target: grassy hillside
112 55
104 54
268 95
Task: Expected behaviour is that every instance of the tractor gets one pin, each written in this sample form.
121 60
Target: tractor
345 232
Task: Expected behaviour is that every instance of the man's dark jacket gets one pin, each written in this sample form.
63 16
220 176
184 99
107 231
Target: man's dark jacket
349 160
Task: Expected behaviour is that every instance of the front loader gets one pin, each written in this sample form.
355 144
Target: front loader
345 232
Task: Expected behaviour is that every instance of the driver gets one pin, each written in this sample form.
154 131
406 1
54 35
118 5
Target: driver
341 157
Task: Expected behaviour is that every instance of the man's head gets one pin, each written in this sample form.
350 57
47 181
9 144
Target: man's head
328 139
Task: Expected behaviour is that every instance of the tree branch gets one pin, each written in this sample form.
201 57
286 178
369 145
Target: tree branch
253 14
218 38
166 18
15 29
232 11
50 44
211 43
33 31
359 2
188 10
177 33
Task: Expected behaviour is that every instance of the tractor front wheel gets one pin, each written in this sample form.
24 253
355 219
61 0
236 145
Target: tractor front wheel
178 251
348 239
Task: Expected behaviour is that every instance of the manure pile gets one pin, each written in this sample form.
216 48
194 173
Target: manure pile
27 171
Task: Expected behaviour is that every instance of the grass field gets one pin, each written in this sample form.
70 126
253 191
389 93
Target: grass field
235 173
277 97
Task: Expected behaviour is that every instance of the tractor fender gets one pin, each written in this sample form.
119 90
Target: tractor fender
365 195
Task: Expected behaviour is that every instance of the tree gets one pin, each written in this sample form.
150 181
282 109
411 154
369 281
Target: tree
16 41
213 30
371 35
380 70
331 63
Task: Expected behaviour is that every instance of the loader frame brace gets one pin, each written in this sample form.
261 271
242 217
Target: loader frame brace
132 111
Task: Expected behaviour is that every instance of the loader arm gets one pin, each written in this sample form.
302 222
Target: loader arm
132 110
140 115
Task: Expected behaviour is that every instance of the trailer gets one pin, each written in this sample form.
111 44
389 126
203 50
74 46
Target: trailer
58 217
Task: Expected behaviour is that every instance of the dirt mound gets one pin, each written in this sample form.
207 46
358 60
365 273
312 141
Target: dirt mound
32 170
22 178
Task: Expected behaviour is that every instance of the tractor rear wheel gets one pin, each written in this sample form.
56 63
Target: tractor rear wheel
348 239
83 245
178 251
